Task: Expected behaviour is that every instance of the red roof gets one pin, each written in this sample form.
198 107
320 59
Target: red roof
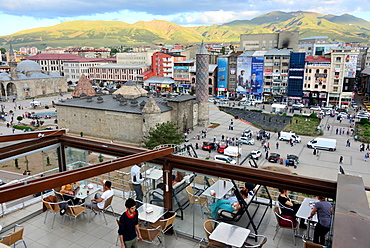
82 59
317 59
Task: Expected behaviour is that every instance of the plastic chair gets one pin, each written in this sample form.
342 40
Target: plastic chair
259 245
166 224
209 226
293 225
13 238
74 211
150 234
108 204
309 244
196 199
53 208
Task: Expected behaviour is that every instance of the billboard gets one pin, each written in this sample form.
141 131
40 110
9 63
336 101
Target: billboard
222 74
257 76
350 64
244 68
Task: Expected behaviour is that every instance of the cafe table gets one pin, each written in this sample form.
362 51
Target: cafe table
150 213
305 210
228 234
219 189
153 174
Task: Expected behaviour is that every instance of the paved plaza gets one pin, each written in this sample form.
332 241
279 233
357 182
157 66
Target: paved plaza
325 165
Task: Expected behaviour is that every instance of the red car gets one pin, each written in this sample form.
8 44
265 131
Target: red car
207 146
221 148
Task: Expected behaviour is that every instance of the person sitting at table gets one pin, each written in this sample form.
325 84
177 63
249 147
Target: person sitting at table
99 200
289 208
69 190
178 178
229 205
324 211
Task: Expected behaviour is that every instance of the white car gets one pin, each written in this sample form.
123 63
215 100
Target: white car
247 141
256 154
211 100
298 105
245 104
223 158
343 114
317 108
247 132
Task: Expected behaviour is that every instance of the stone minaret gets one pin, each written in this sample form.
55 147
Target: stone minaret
151 115
12 63
201 85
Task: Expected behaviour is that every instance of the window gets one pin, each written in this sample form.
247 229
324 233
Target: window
335 89
324 86
316 86
317 71
309 86
338 59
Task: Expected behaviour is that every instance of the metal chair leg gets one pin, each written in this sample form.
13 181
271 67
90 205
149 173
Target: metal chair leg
46 216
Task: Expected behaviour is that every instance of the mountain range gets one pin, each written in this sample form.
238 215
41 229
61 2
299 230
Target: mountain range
115 33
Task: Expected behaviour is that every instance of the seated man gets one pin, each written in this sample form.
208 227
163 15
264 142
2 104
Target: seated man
228 205
68 191
99 200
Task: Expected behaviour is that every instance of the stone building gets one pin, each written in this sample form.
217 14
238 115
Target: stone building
127 115
27 80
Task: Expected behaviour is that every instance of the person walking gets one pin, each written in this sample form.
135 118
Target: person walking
137 179
336 131
324 211
367 147
348 144
277 145
366 156
314 151
341 159
267 155
128 226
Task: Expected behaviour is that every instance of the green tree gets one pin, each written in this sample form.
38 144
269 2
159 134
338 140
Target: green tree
19 119
163 133
114 51
223 50
232 48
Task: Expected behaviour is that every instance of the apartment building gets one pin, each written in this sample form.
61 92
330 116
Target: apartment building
317 45
343 66
163 63
276 69
182 76
316 81
73 69
138 58
255 42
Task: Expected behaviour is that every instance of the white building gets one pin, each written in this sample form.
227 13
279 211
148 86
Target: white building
112 73
73 69
316 45
139 58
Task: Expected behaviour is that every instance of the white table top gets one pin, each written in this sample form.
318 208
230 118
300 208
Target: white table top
82 192
219 188
305 210
153 174
230 234
152 217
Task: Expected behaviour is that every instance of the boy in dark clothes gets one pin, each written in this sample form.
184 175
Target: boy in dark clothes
128 231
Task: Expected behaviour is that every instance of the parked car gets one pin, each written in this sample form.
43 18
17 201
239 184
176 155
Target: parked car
298 105
274 157
221 148
211 100
247 141
247 132
292 160
315 108
223 158
245 104
256 154
231 98
207 146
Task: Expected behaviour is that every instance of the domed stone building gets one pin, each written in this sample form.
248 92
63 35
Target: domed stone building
27 80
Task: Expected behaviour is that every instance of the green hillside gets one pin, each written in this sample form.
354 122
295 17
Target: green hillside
115 33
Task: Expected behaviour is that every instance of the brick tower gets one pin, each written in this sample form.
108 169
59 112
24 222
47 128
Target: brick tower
201 85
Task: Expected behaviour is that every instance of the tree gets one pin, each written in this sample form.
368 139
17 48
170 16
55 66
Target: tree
2 50
163 133
223 50
232 48
114 51
19 119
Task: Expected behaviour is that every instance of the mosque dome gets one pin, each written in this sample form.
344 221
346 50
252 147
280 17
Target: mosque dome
28 65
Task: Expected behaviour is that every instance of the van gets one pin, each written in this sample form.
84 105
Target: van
288 136
323 144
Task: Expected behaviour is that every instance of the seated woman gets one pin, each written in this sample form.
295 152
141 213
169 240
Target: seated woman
287 207
227 205
68 192
178 178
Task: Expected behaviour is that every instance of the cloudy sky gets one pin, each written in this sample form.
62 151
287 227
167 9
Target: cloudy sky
16 15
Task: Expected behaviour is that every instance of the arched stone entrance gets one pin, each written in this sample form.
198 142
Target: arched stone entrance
2 91
11 90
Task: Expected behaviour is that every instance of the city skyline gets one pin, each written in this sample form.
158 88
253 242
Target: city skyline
30 14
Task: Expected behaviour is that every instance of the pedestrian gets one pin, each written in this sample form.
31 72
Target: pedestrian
314 151
137 179
336 131
223 138
366 156
214 139
277 145
341 160
367 147
7 125
128 226
328 127
13 129
348 143
196 146
267 155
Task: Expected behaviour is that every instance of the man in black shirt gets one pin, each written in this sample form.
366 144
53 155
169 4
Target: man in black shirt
128 231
